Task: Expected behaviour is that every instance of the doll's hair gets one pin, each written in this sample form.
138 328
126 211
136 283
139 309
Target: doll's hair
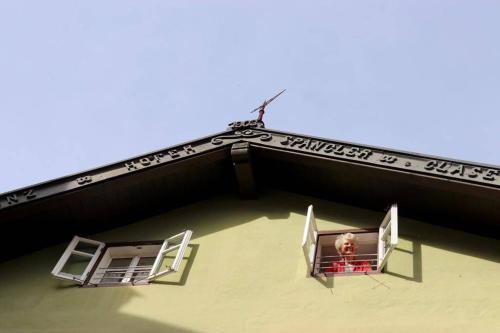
343 237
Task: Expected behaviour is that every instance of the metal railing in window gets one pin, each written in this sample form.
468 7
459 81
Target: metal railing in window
337 264
119 275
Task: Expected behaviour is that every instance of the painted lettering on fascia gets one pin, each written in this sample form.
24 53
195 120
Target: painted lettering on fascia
159 158
16 198
445 168
84 180
323 147
80 181
462 171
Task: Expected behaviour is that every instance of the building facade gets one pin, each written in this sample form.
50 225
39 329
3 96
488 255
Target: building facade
244 193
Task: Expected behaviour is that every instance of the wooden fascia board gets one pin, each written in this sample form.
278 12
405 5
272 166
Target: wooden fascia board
124 168
325 150
417 164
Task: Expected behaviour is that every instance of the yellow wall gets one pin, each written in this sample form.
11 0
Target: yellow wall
246 273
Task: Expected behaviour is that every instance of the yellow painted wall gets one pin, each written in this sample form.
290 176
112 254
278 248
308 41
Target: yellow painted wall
246 273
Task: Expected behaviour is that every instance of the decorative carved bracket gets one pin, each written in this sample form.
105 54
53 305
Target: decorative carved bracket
246 134
240 154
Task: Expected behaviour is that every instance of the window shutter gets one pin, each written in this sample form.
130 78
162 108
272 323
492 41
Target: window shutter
71 251
166 248
388 236
310 238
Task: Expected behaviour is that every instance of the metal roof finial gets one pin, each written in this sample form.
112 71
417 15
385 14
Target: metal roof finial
262 108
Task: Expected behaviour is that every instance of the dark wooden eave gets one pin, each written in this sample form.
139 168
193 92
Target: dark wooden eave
458 194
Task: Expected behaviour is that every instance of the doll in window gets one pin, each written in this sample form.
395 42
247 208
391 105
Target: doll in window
348 260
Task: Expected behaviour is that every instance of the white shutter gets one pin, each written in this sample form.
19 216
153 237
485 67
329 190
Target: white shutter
71 251
310 238
166 248
387 236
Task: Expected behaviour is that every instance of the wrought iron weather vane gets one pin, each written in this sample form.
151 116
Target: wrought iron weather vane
262 108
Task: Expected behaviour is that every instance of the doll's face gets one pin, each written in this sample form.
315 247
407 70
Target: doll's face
348 248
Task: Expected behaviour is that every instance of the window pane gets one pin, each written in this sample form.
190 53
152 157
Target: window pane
87 248
76 265
116 270
143 268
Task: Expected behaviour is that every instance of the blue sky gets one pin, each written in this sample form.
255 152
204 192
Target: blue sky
88 83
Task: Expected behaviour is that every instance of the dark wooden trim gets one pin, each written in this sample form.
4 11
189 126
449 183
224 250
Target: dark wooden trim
134 243
344 231
243 170
323 150
132 167
430 189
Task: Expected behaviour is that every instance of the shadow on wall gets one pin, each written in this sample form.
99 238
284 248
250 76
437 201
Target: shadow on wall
192 251
51 305
326 281
413 255
217 214
22 302
418 233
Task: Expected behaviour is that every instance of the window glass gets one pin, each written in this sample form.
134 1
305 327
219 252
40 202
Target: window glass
143 268
76 265
86 247
116 270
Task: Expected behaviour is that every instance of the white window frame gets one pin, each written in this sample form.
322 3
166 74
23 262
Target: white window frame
165 248
388 236
97 259
387 239
71 250
310 239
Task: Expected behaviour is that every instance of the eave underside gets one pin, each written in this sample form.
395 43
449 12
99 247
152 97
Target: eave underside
442 202
125 198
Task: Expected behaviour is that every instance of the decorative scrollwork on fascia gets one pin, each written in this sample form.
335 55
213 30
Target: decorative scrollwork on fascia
242 134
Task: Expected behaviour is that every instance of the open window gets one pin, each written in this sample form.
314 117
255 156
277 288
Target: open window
91 263
349 252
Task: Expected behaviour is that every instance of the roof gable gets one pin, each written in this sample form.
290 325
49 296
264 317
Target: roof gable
247 156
